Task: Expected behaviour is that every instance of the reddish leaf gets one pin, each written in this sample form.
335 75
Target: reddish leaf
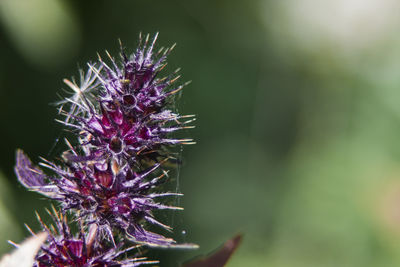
218 258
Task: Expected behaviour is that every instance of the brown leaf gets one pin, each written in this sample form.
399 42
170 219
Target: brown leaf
218 258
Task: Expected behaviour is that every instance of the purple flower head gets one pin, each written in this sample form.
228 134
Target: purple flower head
129 117
82 250
107 198
112 174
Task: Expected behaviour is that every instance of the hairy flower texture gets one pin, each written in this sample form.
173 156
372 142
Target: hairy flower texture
82 250
129 118
88 83
122 118
104 198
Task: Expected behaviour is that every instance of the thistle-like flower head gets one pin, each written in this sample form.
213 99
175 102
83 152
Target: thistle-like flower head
129 118
111 173
82 250
109 198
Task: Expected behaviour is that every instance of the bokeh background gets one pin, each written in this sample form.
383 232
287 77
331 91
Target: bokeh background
298 118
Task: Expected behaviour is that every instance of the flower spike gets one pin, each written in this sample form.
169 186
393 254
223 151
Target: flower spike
110 176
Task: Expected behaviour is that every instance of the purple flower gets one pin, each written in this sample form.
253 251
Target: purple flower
122 117
83 250
128 118
121 200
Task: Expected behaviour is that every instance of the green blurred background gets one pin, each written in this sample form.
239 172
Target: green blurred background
298 118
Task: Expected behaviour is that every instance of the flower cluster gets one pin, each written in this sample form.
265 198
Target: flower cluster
81 250
122 118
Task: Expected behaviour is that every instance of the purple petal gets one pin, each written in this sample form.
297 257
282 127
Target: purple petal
28 175
139 235
31 176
